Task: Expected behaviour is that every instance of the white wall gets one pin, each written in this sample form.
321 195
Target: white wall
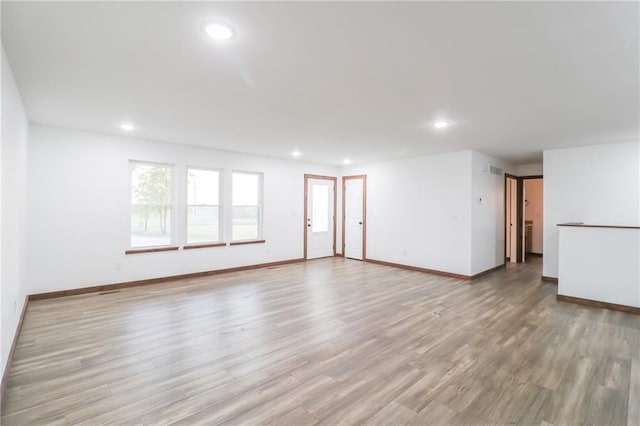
595 184
13 195
418 211
589 255
424 212
533 190
534 169
79 209
487 209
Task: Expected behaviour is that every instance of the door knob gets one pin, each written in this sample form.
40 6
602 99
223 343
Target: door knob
359 223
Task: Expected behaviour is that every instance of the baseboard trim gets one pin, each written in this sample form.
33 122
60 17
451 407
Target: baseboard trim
598 304
128 284
418 269
12 350
531 253
488 271
338 255
550 279
435 271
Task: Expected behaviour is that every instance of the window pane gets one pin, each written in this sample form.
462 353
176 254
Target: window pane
203 187
320 214
203 198
150 225
246 187
246 214
150 205
245 223
202 224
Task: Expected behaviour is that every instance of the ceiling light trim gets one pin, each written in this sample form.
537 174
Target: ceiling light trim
127 127
218 30
441 124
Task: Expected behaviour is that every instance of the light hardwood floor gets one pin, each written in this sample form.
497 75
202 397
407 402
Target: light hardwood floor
329 341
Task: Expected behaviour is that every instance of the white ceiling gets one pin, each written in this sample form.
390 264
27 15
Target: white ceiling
335 80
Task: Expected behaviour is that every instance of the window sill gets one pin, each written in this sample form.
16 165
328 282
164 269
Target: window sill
241 243
151 250
205 245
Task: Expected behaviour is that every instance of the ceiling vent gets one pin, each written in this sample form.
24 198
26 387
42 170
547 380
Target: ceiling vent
496 171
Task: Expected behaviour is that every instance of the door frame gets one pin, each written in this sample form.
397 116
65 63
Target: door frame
506 188
519 213
521 218
364 212
306 207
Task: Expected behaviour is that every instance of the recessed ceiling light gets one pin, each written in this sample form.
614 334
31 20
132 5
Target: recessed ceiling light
441 124
347 161
218 31
127 127
296 154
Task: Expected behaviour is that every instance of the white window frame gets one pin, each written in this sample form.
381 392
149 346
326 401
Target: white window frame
260 204
220 205
172 188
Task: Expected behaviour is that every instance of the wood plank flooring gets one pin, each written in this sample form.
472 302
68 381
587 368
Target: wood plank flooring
330 341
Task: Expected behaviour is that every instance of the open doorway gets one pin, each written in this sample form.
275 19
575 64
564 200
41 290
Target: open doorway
523 217
533 217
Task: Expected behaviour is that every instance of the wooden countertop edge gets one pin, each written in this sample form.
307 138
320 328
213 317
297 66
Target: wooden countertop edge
582 225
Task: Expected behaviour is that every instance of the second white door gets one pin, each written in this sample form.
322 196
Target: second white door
320 220
354 217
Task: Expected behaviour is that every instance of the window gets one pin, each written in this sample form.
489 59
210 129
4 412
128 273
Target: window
320 213
151 201
203 206
246 209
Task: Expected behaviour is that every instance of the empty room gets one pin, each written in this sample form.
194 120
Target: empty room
300 213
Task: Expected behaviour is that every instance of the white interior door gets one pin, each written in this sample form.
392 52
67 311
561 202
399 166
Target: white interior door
353 218
320 234
513 189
